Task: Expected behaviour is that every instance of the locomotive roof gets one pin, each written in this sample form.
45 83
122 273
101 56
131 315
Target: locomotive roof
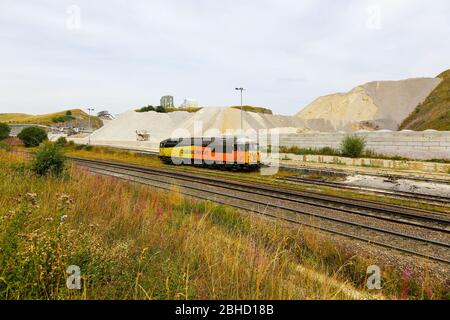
208 139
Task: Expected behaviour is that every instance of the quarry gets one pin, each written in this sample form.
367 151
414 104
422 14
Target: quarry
374 111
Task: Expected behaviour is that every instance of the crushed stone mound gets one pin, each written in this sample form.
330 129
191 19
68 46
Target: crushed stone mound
222 119
208 121
372 106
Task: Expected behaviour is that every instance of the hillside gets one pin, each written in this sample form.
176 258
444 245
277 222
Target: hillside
372 106
434 112
80 118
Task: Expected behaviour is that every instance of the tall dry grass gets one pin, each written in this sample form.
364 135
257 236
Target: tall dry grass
135 242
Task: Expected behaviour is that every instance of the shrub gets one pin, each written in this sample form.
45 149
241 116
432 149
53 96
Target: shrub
58 119
4 131
49 159
86 147
160 109
146 109
325 151
62 141
353 146
32 136
65 118
253 109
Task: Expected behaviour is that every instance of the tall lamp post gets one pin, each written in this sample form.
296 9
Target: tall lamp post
242 123
90 127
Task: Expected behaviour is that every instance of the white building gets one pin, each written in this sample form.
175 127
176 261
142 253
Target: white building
189 103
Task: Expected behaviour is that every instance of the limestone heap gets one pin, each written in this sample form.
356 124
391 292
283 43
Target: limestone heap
372 106
208 121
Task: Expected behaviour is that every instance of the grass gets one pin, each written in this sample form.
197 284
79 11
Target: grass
106 153
310 151
135 242
46 119
168 110
187 109
253 109
434 112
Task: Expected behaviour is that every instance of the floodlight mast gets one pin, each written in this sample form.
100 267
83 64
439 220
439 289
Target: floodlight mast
242 111
90 127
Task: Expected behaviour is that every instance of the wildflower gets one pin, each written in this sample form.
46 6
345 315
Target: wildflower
31 197
405 283
63 218
64 201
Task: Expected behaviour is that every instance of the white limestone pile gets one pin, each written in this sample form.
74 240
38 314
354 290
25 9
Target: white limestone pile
372 106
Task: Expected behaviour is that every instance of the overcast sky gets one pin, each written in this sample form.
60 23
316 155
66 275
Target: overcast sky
118 55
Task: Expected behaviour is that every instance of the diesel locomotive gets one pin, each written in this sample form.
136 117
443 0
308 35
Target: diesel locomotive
222 153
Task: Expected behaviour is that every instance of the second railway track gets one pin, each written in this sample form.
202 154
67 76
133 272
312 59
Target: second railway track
417 232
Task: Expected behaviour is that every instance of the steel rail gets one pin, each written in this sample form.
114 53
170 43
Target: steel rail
380 230
401 194
285 194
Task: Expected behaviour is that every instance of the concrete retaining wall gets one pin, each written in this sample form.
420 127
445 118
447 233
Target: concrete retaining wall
291 160
424 145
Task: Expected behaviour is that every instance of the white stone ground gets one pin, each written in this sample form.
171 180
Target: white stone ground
403 185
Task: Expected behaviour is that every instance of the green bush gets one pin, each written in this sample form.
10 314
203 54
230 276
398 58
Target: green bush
146 109
160 109
86 147
58 119
32 136
62 119
326 151
49 159
62 141
353 146
4 131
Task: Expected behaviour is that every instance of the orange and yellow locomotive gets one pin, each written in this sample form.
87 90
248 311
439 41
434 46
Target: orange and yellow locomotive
228 152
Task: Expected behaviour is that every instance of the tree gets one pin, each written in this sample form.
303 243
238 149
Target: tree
61 141
32 136
58 119
160 109
353 146
4 131
69 113
146 109
49 159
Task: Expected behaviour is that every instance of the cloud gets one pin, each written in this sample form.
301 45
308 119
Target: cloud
286 53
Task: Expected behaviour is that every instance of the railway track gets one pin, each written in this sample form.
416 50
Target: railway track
346 172
416 232
398 194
